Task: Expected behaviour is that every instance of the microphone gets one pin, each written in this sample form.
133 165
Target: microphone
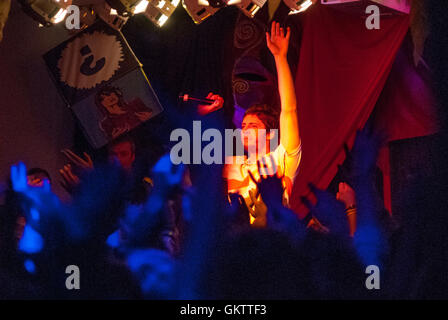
186 97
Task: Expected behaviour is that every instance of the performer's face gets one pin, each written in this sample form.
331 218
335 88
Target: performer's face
250 131
123 153
110 102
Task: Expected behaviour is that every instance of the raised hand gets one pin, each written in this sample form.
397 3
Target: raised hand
204 109
269 185
278 41
140 221
167 175
85 163
346 194
365 151
97 205
329 211
19 179
35 199
70 181
271 189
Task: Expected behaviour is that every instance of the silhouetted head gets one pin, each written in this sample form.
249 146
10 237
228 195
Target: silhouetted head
123 151
37 176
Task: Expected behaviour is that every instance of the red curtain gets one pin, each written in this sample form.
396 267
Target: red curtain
342 70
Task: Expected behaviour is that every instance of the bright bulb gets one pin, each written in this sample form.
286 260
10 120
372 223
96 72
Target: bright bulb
60 15
303 7
162 20
141 6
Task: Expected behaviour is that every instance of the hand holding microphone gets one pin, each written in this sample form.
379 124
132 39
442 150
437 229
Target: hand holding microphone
212 102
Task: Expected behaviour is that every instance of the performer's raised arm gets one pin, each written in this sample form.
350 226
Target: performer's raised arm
277 43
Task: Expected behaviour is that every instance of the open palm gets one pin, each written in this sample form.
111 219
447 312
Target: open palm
278 41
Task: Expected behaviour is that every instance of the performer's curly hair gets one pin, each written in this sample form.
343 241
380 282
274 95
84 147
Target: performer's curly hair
268 115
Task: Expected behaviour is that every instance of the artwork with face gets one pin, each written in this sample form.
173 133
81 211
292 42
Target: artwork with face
119 116
117 108
103 83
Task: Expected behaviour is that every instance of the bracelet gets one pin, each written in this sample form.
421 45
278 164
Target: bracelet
350 210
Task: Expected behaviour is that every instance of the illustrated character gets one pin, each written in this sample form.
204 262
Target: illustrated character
119 116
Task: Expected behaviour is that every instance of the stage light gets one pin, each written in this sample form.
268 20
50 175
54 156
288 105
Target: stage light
158 11
128 7
298 6
250 7
141 7
198 10
110 15
46 12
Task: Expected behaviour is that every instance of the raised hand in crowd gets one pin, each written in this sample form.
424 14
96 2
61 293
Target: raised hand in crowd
140 224
98 205
70 175
85 163
368 239
40 205
329 211
347 195
365 151
278 217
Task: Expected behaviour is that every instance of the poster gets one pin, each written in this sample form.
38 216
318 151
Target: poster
102 81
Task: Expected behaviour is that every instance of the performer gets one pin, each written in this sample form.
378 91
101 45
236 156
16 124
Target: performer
287 155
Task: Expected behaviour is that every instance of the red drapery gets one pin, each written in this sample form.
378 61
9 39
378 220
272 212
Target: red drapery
342 70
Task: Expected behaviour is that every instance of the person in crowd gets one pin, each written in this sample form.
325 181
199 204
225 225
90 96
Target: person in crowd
166 233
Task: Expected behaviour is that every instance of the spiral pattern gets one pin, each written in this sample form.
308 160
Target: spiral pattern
247 34
240 86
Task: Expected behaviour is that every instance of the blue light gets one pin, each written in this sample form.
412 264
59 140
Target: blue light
31 241
30 266
113 240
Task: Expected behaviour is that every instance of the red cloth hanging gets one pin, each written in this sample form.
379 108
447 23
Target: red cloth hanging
342 70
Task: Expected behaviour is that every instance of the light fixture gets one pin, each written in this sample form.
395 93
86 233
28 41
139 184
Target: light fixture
128 7
298 6
46 12
250 7
158 11
199 10
110 15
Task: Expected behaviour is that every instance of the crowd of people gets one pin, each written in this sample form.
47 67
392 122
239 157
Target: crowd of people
160 236
170 234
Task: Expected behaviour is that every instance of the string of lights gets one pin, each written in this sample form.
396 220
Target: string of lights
117 12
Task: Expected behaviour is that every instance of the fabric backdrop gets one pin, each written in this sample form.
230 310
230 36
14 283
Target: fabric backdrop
342 70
